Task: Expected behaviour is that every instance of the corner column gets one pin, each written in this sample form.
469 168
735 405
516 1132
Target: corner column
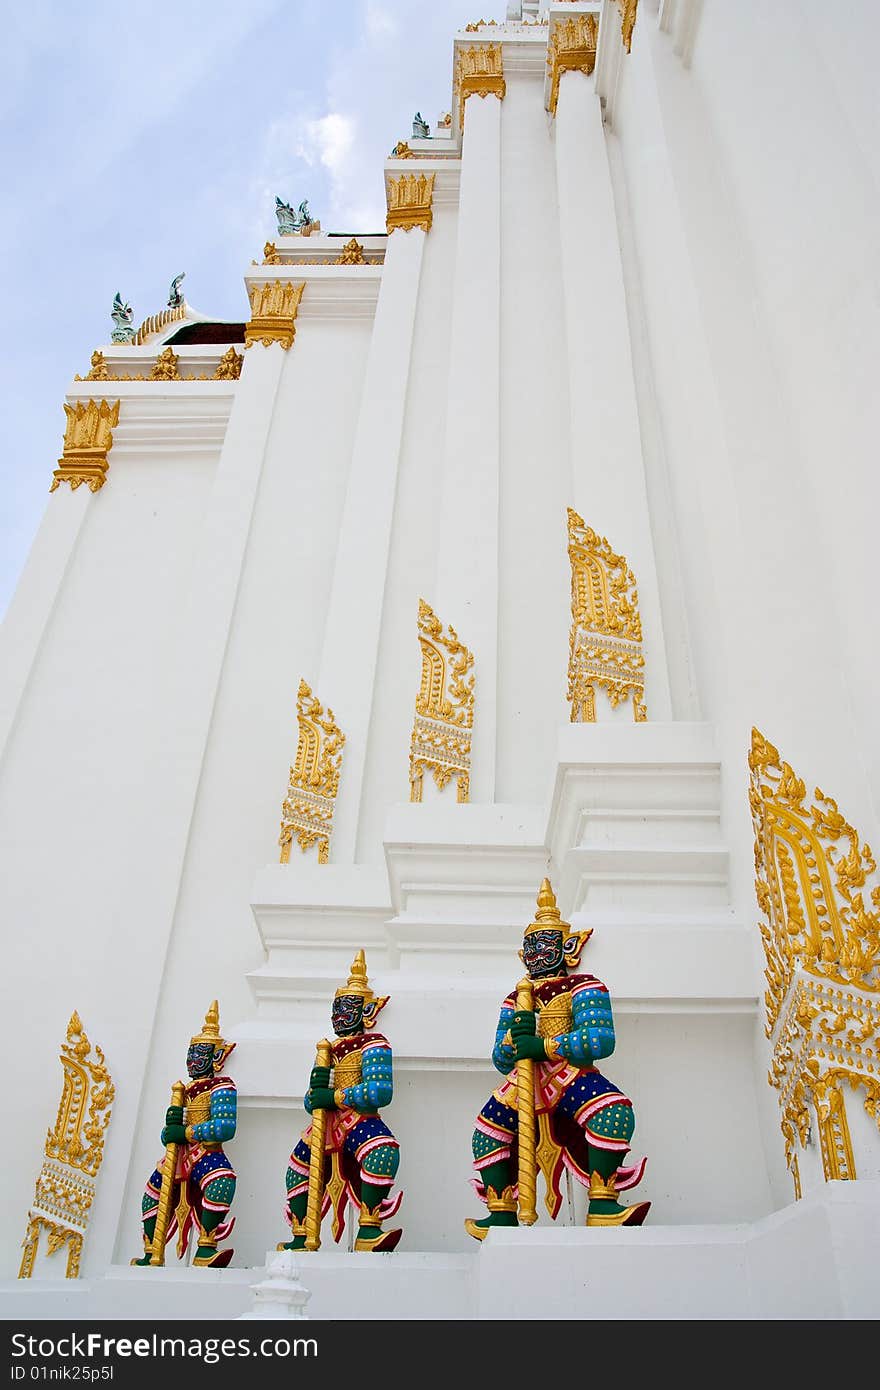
354 616
466 594
88 439
606 456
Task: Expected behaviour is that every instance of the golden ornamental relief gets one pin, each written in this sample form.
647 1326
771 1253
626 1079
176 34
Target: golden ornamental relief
821 937
271 254
229 366
88 439
98 370
352 253
628 10
402 151
307 812
605 648
166 366
479 72
57 1236
274 307
410 199
572 48
444 718
821 914
65 1188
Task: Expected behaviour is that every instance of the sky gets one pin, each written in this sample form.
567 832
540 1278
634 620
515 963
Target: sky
142 140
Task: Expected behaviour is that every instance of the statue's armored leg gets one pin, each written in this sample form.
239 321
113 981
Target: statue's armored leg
378 1167
215 1183
149 1208
614 1124
297 1196
491 1143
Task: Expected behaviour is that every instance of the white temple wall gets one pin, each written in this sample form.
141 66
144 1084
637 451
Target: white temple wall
759 612
274 641
73 780
759 558
536 486
801 167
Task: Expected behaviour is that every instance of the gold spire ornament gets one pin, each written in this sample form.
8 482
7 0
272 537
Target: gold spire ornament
605 642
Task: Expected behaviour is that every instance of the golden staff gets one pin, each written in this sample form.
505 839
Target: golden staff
169 1173
525 1106
323 1058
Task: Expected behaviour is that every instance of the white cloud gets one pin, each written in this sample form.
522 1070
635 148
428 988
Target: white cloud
332 139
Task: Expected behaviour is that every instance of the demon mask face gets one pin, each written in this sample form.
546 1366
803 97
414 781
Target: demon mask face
347 1015
200 1060
542 953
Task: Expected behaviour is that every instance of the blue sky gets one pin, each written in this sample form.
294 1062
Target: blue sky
139 140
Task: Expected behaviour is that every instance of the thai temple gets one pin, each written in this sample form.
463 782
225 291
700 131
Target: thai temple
439 727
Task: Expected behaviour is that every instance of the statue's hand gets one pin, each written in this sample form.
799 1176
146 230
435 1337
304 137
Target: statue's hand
174 1115
320 1077
174 1134
522 1024
529 1047
321 1098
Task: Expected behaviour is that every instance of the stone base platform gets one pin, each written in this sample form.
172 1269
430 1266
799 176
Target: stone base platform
815 1259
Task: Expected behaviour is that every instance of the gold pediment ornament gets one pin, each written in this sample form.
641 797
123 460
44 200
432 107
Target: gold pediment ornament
410 200
444 717
166 366
605 642
352 253
229 366
65 1188
479 71
274 306
88 439
98 370
307 812
819 897
572 48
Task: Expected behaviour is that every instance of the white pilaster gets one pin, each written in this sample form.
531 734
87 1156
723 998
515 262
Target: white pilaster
354 617
35 596
186 694
467 566
606 455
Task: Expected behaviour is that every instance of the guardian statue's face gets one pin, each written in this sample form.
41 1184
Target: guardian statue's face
542 953
348 1015
200 1060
